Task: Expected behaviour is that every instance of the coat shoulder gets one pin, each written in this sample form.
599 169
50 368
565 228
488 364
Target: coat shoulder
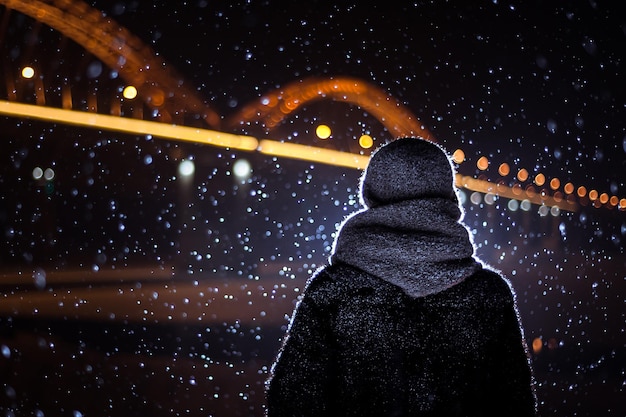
489 286
338 282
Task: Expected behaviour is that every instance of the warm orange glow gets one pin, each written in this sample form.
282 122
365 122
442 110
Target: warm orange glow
604 198
128 125
276 148
540 179
101 36
504 169
366 141
614 200
522 174
273 107
458 156
568 188
157 98
537 344
323 131
314 154
558 196
555 183
516 193
593 195
482 163
582 191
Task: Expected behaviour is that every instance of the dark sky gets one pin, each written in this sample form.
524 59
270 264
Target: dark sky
536 84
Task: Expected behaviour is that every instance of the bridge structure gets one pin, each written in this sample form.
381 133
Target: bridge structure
167 106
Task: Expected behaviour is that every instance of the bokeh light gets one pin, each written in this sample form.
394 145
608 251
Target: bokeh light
186 168
458 156
323 131
366 141
482 163
129 92
242 169
28 72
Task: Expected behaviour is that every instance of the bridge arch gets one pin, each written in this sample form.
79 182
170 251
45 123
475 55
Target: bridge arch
158 84
276 105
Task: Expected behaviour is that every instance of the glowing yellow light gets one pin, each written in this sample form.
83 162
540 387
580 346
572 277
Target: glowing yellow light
323 132
130 92
458 156
555 183
366 141
482 163
540 179
522 174
504 169
126 124
265 146
28 72
311 153
568 188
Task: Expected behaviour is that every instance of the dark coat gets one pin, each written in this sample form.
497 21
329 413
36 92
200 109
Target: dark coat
360 346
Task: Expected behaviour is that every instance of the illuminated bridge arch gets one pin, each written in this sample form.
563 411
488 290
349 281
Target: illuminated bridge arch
157 83
163 90
275 106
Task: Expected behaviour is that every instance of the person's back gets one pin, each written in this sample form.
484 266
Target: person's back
404 321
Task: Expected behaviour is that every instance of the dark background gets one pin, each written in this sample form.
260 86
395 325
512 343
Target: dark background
538 85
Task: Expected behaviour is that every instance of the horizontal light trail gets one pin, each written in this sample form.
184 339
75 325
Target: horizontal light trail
249 143
212 301
313 154
128 125
184 133
501 190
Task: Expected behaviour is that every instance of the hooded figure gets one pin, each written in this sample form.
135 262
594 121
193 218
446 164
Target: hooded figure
404 320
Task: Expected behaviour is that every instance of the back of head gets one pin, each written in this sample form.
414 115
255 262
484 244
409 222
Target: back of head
407 169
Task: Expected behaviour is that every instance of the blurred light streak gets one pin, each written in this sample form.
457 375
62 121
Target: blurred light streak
118 48
126 301
313 154
128 125
264 146
487 187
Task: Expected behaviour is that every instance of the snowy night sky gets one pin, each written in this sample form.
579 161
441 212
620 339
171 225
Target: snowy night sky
535 84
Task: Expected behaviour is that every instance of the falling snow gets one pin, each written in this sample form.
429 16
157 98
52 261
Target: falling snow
145 276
